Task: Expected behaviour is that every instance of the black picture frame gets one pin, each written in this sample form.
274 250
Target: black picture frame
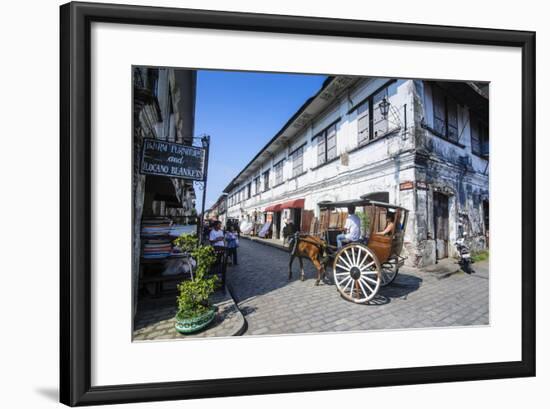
76 199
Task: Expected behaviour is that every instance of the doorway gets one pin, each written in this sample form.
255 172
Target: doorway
441 225
277 225
297 218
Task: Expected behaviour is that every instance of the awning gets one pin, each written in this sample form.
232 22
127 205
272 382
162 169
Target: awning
291 204
273 208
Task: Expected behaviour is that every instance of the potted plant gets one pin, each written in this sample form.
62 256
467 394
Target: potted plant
194 309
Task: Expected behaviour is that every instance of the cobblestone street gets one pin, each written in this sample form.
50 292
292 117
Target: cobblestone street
273 305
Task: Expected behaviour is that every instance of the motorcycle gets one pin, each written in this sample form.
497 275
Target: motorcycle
464 258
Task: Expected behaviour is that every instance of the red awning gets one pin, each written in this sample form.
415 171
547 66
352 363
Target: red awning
273 208
293 204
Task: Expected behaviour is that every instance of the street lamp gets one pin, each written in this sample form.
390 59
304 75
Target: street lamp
384 107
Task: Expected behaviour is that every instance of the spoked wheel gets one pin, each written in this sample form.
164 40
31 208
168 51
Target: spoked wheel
389 272
357 273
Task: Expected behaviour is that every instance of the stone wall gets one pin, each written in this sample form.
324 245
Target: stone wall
450 169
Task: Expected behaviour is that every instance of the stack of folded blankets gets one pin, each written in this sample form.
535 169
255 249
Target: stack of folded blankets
155 227
156 248
156 242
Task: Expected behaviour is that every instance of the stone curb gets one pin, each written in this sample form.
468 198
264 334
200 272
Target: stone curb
243 324
229 322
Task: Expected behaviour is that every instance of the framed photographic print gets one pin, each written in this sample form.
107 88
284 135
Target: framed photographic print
263 203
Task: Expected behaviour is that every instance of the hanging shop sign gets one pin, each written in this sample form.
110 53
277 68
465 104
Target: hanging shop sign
406 185
173 160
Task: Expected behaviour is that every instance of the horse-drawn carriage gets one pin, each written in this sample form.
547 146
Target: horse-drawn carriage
362 266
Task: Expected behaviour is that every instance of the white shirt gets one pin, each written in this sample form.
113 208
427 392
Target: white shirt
214 234
353 227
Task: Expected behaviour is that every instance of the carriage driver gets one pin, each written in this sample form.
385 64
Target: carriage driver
352 228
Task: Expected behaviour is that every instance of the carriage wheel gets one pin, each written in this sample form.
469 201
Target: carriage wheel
389 272
357 273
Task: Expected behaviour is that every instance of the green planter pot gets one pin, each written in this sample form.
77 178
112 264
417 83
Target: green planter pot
195 324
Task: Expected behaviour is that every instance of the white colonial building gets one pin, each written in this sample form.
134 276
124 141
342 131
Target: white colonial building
429 154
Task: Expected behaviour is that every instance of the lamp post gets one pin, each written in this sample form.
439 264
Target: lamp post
385 107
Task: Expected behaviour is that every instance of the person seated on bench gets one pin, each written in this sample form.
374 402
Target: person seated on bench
352 228
390 220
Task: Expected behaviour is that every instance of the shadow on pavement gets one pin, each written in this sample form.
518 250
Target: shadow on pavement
247 309
403 285
264 269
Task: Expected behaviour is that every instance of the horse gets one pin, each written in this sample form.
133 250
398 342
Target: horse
310 247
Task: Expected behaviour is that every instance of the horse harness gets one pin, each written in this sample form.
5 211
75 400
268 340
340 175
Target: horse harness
296 238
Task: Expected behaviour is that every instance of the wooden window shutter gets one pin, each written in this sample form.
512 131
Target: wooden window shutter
452 120
297 161
439 110
331 142
363 123
474 133
321 149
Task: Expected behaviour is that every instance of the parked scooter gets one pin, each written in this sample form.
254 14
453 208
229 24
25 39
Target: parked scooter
464 258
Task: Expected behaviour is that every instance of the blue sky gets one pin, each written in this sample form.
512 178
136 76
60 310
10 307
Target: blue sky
242 111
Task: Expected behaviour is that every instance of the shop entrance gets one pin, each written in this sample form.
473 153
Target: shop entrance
297 218
441 225
277 225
